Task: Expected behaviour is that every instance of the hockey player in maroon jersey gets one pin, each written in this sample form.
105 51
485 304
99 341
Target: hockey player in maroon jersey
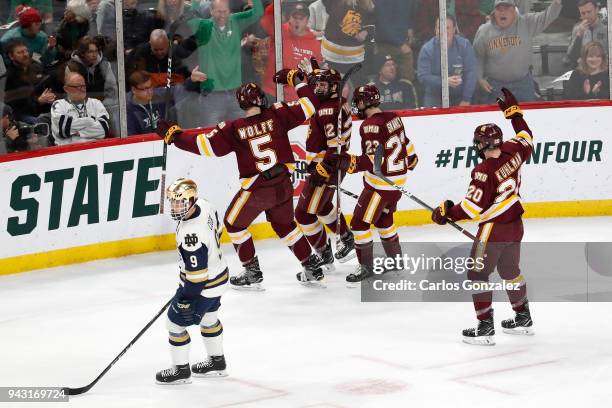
315 208
378 201
265 161
493 198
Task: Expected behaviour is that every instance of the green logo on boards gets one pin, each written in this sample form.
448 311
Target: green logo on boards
85 202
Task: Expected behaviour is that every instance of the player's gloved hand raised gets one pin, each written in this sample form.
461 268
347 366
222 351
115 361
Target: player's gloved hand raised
184 311
168 131
290 77
439 214
509 105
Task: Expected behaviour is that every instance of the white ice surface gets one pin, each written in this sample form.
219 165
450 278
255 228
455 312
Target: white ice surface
297 347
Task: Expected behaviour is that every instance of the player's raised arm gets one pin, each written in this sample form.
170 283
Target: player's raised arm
295 113
524 138
214 143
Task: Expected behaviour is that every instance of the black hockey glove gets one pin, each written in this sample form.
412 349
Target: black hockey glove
185 310
509 105
287 76
168 131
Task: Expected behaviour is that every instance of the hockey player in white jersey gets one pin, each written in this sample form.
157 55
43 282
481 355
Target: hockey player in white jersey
77 118
203 279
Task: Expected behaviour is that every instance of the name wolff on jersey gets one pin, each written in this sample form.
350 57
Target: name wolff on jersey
258 129
32 195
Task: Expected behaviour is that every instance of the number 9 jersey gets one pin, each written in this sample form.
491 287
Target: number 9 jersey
203 269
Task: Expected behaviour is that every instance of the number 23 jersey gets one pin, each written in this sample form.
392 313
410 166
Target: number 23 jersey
203 269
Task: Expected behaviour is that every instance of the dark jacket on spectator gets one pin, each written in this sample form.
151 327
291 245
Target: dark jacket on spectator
396 95
393 20
143 119
99 78
138 26
23 87
67 37
141 59
574 88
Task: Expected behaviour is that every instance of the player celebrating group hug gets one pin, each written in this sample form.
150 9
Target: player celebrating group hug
265 161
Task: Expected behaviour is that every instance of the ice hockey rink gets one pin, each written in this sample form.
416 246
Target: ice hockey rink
292 346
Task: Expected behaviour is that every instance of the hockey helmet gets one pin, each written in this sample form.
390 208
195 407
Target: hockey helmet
324 82
182 195
369 95
487 137
250 95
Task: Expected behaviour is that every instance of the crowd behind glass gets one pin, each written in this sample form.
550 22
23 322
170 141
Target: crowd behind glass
59 79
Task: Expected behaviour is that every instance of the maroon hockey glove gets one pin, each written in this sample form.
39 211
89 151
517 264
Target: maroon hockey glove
344 161
509 105
412 161
320 174
168 131
287 76
439 214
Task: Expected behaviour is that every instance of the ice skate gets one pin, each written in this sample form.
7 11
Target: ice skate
175 375
521 324
483 335
327 256
250 278
346 250
213 366
361 273
312 275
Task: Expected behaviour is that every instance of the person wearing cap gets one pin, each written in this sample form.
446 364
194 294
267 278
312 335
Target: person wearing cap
9 132
395 94
42 47
44 6
462 64
299 42
504 47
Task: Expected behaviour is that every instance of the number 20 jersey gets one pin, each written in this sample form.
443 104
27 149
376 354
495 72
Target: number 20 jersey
493 193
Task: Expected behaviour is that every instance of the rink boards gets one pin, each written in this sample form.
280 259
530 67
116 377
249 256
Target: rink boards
100 200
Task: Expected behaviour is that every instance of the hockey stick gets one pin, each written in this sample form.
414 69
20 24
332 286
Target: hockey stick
173 27
343 82
356 197
82 390
378 157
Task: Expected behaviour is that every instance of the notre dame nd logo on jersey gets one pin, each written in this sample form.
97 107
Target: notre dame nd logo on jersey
191 239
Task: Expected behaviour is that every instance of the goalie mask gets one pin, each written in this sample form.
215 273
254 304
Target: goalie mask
487 137
365 97
250 95
182 195
324 83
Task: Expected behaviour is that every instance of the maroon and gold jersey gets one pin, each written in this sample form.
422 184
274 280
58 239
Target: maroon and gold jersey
260 141
385 128
493 194
322 132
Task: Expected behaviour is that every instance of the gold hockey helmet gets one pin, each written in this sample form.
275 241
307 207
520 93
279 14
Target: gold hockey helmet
182 195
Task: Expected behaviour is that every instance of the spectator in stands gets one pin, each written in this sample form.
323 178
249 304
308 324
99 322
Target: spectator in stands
350 25
72 27
318 18
153 58
12 142
590 80
589 28
467 14
42 48
504 50
219 45
77 118
143 114
27 90
44 6
395 94
93 16
88 61
462 68
140 24
394 33
299 42
105 19
168 11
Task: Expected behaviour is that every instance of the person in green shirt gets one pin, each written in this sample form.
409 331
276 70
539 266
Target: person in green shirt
219 46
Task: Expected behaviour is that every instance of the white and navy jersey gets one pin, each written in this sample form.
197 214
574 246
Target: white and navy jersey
203 269
78 122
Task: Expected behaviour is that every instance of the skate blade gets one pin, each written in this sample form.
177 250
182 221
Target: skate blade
314 284
480 340
347 258
177 382
353 285
211 374
255 287
520 331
